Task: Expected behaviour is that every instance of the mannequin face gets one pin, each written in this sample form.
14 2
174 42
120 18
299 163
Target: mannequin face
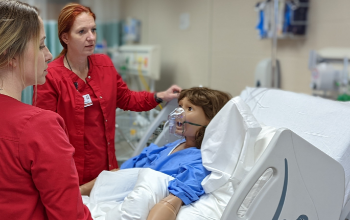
194 114
81 39
44 56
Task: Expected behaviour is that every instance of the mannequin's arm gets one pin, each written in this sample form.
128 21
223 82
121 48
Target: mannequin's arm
166 209
86 188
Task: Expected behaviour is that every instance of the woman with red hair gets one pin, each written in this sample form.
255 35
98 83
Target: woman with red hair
85 89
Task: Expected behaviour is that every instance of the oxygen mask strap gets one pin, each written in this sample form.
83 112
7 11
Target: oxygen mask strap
194 124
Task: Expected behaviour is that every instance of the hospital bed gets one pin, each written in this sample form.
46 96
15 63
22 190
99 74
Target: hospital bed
308 154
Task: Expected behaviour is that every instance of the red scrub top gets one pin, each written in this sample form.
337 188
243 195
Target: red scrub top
38 177
91 129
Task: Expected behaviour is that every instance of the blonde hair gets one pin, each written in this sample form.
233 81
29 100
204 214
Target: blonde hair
210 100
19 24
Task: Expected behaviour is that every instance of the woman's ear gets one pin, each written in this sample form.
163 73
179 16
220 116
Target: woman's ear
64 38
13 62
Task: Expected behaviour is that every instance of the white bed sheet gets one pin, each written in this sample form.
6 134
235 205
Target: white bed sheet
131 193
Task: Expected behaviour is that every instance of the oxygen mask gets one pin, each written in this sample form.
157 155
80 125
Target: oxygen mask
176 122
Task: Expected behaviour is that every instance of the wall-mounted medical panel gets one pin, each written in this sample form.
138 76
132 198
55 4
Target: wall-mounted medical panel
136 59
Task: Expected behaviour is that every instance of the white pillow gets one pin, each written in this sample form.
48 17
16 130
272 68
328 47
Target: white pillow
227 149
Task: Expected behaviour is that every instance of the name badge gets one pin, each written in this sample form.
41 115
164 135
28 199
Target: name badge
87 100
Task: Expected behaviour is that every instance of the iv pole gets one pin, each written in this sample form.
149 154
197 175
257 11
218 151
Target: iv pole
274 45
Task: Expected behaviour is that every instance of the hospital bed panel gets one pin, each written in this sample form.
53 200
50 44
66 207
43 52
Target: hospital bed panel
323 123
293 190
324 178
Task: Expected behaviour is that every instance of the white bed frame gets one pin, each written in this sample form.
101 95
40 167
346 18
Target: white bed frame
306 184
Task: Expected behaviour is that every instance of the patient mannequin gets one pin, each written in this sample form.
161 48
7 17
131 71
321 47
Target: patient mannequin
182 158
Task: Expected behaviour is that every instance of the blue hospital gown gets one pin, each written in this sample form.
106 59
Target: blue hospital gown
185 166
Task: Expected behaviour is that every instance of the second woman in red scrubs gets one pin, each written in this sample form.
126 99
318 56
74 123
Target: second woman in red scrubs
85 89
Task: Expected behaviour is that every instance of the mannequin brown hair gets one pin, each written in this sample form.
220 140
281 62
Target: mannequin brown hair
211 102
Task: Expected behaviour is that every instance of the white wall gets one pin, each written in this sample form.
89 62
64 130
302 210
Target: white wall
105 10
185 53
221 48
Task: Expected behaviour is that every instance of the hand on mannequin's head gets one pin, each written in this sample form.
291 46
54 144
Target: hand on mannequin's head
169 94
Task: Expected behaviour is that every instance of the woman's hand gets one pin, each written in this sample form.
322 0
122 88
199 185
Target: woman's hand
169 94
